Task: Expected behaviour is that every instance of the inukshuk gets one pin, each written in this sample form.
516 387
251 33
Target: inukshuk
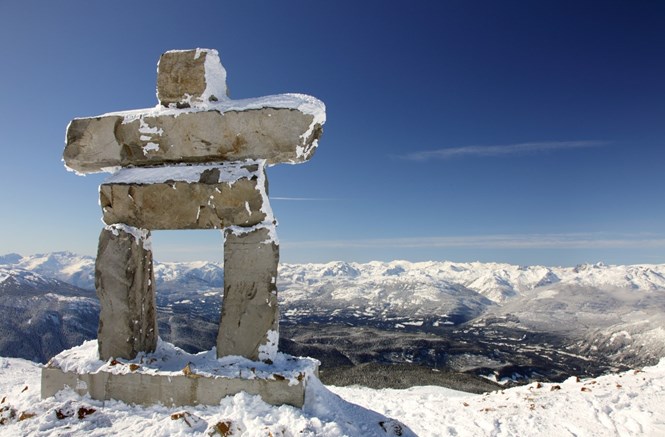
195 161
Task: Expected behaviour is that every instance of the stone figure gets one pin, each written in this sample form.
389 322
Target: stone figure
195 161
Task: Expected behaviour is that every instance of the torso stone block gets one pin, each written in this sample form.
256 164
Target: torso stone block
191 197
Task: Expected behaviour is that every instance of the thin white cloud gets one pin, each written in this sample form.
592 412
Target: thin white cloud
510 149
299 199
526 241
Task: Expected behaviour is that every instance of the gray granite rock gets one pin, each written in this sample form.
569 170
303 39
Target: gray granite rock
212 202
125 287
169 390
250 316
276 135
182 79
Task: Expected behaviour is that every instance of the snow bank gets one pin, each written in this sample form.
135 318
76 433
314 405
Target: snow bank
22 412
625 404
630 403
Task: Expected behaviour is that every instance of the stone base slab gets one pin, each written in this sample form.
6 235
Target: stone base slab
170 390
174 377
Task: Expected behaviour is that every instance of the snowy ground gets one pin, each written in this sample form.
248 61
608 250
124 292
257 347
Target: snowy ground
631 403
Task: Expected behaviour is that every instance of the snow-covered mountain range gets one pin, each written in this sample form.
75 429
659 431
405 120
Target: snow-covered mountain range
460 315
496 282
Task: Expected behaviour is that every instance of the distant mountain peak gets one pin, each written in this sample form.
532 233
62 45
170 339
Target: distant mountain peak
10 258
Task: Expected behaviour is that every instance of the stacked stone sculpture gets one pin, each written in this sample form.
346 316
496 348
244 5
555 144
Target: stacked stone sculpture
195 161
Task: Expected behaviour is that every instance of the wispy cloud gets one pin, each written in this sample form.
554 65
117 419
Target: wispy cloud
510 149
300 199
509 241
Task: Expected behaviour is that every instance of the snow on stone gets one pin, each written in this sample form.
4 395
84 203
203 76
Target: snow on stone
268 224
301 102
215 76
171 360
149 147
268 351
141 236
229 173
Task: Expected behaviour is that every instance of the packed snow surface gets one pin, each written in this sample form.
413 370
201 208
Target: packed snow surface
630 403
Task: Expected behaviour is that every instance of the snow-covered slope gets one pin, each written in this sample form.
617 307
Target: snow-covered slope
438 292
382 292
626 404
79 270
40 316
75 269
498 282
21 281
22 412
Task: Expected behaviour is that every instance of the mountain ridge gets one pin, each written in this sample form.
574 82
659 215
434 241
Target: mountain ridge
498 282
478 317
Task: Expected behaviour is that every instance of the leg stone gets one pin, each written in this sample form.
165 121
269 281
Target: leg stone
125 286
250 317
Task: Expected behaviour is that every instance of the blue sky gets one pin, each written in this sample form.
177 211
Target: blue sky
523 132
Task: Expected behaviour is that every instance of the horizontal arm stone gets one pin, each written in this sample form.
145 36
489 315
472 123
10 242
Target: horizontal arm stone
157 137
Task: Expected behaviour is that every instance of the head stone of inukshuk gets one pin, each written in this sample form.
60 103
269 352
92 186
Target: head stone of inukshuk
195 161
